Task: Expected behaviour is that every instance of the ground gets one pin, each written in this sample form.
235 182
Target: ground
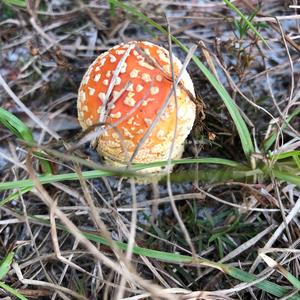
224 225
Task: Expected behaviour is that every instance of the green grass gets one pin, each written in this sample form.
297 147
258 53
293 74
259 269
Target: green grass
236 273
286 176
5 266
267 144
265 285
27 183
20 3
246 22
217 228
242 27
21 131
273 264
288 154
12 291
15 125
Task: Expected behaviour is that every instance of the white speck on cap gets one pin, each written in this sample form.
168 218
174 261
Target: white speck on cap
129 101
163 57
112 58
146 77
130 88
101 96
91 91
118 81
116 94
97 77
127 133
134 73
145 65
130 120
120 52
123 68
85 80
158 78
102 62
148 44
139 88
82 96
116 115
145 103
154 90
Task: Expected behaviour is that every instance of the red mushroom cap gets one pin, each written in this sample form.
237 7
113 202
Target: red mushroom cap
127 86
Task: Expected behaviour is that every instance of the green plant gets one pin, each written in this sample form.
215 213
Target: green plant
20 3
5 265
174 258
245 22
21 131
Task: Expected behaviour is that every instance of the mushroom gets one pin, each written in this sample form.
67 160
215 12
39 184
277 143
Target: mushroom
125 88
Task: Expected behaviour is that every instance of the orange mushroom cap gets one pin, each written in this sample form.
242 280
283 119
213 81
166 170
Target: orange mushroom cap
126 87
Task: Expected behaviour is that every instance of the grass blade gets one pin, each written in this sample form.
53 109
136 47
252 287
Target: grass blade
5 265
240 124
14 196
205 160
21 3
4 268
265 285
44 179
273 264
21 131
12 291
272 138
286 176
285 155
15 125
246 20
243 276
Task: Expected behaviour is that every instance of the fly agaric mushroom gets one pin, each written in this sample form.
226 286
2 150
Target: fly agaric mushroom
126 87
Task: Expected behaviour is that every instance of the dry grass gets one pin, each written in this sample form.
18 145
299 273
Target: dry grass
199 210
